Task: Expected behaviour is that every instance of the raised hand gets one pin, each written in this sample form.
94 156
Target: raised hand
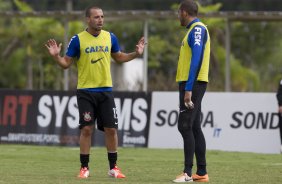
140 46
53 48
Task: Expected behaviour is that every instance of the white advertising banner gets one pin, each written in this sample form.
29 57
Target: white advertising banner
245 122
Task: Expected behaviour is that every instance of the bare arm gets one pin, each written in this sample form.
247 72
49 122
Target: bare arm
121 57
54 50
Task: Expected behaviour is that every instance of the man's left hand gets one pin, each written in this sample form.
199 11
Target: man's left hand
188 100
140 46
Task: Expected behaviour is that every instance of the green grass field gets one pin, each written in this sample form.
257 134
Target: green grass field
24 164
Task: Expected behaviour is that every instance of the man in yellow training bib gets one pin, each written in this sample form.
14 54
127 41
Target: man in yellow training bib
279 100
93 49
192 77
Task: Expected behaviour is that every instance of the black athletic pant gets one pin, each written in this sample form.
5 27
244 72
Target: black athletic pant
280 126
189 126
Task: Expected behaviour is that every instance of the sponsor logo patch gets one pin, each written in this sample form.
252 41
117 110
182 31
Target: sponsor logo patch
87 116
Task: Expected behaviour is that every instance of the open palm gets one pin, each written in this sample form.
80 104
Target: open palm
140 46
53 48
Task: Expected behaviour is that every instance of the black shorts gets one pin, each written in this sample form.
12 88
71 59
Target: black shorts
98 106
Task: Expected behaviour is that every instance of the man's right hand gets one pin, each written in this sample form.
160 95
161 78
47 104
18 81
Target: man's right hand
53 48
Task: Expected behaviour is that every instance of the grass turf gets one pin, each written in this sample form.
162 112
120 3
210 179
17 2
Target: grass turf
26 164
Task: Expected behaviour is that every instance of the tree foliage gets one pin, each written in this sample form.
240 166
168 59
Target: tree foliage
258 46
24 56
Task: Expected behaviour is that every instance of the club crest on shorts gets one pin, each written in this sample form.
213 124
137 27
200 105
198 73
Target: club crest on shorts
86 116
